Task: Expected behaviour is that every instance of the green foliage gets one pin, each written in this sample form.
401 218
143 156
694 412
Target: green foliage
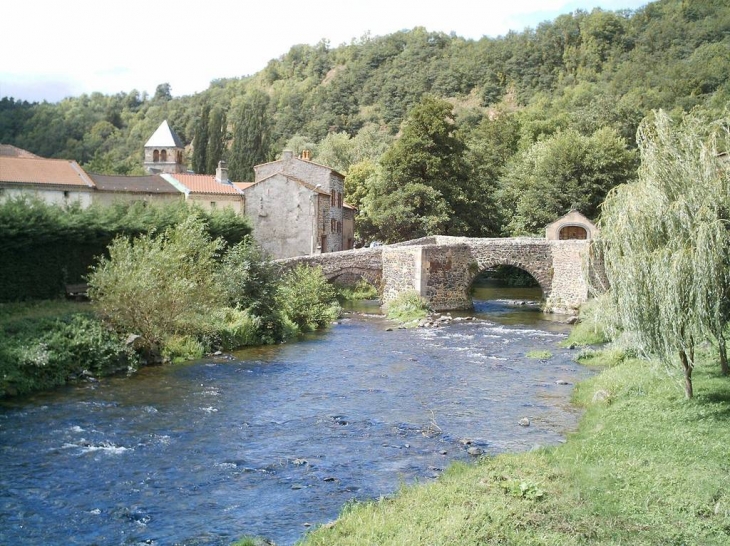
46 246
563 172
250 136
666 243
423 187
307 299
249 280
159 286
43 350
363 290
539 355
407 307
200 141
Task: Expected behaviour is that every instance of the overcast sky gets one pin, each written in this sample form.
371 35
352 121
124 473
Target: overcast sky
54 49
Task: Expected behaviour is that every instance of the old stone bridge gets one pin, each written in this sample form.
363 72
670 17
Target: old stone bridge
442 269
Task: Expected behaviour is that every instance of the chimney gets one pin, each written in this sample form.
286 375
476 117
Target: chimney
287 154
306 155
221 173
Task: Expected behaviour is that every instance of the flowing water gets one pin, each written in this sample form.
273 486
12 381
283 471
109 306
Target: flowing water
271 440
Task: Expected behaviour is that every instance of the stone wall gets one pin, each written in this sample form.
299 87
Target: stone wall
442 270
569 285
345 267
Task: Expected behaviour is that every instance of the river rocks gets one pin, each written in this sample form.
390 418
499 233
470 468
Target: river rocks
562 382
524 422
475 451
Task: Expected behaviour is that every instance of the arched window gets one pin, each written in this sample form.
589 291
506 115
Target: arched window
156 156
573 232
163 156
179 157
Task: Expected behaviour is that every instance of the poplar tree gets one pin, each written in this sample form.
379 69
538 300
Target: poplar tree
666 242
200 142
216 139
250 136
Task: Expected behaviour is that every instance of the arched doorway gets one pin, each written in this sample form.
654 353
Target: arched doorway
572 232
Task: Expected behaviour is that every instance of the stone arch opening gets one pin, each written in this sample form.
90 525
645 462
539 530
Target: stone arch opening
507 285
163 156
156 156
573 232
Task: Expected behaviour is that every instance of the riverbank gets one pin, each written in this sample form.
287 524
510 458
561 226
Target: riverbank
645 466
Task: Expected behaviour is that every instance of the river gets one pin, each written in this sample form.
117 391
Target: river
272 440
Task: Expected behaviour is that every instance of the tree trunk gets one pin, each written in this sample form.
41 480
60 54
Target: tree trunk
687 365
723 355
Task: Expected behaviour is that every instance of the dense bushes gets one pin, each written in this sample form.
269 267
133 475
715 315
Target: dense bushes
183 298
45 247
40 353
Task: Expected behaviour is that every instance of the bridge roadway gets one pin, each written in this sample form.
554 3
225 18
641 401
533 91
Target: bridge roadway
442 269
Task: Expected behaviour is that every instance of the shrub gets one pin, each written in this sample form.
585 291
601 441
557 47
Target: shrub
43 353
249 281
159 286
46 246
307 299
181 348
407 306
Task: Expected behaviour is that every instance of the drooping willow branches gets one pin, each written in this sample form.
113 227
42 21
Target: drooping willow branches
666 240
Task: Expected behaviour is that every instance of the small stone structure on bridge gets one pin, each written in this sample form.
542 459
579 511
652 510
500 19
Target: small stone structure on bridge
442 269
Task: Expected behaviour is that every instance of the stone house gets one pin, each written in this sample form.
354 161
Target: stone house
297 208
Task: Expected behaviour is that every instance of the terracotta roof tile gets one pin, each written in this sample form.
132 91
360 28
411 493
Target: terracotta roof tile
56 172
243 185
205 183
134 184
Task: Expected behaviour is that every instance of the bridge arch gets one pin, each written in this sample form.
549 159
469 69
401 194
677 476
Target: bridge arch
543 280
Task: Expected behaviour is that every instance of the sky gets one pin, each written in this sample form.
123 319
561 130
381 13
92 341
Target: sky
55 49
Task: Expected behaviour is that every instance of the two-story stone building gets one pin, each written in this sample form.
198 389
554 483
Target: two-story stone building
297 208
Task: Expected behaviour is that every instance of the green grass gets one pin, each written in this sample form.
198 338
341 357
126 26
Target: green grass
21 311
539 355
645 467
407 307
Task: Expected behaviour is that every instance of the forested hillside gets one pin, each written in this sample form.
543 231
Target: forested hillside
435 133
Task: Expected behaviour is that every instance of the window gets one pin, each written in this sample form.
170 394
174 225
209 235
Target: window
156 156
213 204
163 156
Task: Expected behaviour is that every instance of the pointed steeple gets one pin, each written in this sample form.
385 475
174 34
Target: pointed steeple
163 152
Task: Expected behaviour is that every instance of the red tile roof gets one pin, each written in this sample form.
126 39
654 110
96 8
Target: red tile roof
205 183
56 172
243 185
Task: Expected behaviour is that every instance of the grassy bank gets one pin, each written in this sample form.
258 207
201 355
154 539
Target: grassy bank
646 466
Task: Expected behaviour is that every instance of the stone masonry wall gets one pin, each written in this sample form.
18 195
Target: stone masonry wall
402 270
345 267
443 272
448 273
569 287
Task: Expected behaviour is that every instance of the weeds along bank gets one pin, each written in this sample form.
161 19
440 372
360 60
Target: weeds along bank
173 296
646 466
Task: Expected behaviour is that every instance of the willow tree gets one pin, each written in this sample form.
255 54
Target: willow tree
666 241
